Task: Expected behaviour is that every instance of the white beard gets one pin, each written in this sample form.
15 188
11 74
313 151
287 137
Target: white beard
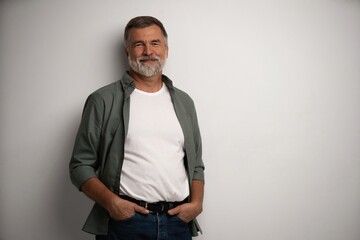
146 69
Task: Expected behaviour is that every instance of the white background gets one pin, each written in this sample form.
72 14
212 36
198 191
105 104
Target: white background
277 89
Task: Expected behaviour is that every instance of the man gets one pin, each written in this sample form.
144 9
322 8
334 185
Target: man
137 153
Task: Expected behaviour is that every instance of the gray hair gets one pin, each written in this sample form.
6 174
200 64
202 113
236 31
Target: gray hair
142 22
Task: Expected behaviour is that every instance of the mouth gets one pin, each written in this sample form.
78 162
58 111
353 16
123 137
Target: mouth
148 60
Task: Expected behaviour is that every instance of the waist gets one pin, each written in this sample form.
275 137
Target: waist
158 207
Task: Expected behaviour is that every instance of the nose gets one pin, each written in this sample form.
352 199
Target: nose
147 50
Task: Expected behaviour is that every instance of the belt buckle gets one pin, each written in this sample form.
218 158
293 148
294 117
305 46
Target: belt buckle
160 206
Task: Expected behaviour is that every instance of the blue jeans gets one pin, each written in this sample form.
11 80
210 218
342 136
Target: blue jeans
153 226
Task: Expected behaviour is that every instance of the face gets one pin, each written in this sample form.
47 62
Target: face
147 50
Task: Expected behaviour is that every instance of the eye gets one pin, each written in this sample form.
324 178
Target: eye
138 44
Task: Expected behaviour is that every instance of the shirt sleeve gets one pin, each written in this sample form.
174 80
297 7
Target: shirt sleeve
84 160
199 164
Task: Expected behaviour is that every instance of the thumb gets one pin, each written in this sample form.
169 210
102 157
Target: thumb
174 211
140 209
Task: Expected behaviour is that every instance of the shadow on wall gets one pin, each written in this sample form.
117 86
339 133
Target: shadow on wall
71 206
120 60
72 210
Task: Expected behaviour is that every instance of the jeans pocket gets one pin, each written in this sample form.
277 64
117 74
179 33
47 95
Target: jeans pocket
128 219
180 220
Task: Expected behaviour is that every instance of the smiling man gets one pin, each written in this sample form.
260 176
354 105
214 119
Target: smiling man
138 150
147 51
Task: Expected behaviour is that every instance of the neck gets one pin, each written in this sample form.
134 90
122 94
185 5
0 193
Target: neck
147 84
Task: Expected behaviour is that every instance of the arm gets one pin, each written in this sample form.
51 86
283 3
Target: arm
197 193
191 210
117 207
84 163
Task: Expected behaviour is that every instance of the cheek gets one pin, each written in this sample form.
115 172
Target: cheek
162 54
135 54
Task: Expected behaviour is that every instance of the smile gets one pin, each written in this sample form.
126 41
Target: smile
149 61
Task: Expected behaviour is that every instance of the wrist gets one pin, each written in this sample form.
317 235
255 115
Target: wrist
110 202
198 206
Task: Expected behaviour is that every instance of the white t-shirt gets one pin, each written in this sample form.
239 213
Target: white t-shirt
153 168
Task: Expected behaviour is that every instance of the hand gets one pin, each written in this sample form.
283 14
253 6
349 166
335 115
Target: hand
186 211
120 209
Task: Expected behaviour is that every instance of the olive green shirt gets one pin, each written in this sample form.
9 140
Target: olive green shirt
99 145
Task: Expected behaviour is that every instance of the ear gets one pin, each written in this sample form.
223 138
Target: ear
126 52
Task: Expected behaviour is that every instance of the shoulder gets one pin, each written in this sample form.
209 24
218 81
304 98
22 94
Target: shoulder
115 90
106 93
179 94
183 96
104 98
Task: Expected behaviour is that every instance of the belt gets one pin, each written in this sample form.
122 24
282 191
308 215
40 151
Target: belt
159 207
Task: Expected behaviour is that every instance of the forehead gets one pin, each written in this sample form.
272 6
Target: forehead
147 33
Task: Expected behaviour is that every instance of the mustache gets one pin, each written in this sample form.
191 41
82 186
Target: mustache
148 58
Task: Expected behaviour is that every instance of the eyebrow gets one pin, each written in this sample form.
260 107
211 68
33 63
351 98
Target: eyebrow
152 41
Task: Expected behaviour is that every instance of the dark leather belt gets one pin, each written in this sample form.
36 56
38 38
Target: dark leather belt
159 207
